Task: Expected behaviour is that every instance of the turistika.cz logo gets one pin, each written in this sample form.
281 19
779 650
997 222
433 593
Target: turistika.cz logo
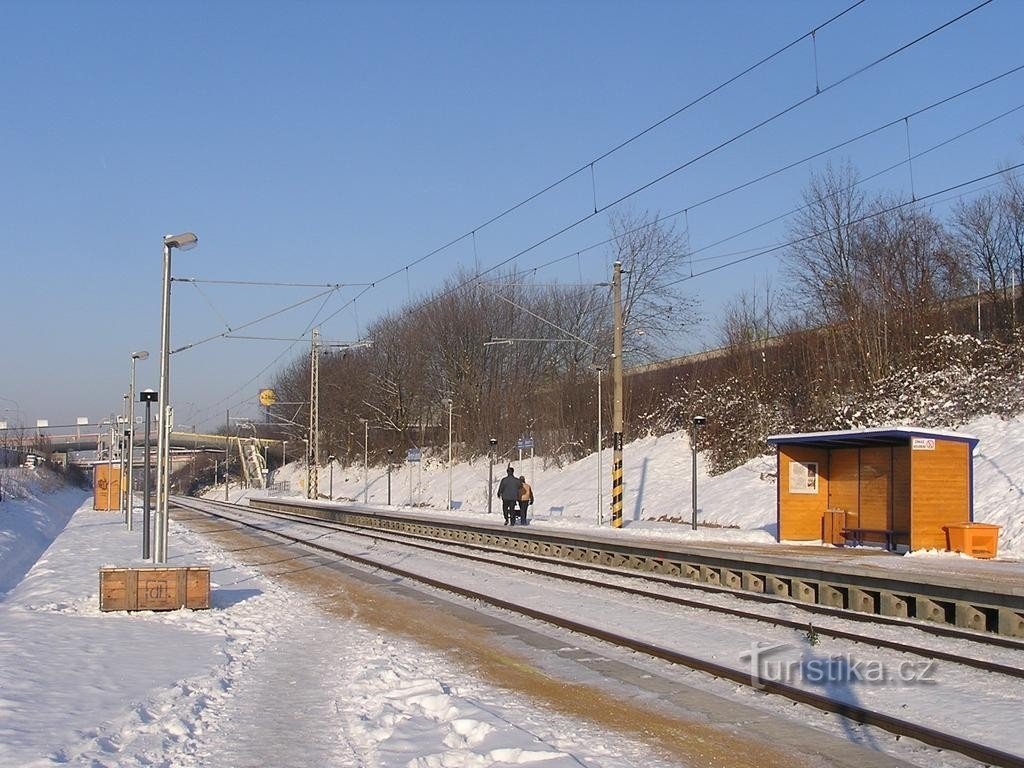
834 669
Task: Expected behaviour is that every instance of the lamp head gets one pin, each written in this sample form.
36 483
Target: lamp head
140 355
148 396
493 441
699 421
182 242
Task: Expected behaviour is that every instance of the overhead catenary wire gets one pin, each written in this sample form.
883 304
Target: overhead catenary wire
807 158
369 286
273 284
253 322
857 220
796 105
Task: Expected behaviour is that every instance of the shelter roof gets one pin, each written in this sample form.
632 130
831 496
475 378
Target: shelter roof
860 438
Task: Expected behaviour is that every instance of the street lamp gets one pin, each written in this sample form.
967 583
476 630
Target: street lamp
182 242
698 422
448 401
330 486
147 396
390 451
490 477
366 461
140 355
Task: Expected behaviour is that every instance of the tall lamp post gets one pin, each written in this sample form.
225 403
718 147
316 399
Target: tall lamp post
448 401
147 396
698 422
140 355
366 461
182 242
490 477
390 451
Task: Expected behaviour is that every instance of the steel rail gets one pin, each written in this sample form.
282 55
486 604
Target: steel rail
402 538
932 628
855 712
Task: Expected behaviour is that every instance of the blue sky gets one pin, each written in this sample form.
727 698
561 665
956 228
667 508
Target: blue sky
323 142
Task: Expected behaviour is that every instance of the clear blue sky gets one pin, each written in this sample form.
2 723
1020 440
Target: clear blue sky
334 142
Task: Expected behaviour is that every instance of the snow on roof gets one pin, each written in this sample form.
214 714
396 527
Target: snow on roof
876 435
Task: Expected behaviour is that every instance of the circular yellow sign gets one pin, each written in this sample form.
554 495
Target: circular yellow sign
267 397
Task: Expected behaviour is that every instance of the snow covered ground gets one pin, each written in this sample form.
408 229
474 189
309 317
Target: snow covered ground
735 506
185 688
84 688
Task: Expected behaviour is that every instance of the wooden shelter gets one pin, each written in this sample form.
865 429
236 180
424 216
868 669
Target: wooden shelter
898 485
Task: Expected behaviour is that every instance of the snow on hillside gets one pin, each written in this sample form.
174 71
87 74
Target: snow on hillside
736 506
36 506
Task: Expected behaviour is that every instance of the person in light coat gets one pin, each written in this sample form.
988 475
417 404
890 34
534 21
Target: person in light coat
525 498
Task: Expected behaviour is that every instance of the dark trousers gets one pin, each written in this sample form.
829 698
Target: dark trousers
523 506
508 507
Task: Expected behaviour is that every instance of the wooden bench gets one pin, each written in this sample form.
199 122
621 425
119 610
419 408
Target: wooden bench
856 535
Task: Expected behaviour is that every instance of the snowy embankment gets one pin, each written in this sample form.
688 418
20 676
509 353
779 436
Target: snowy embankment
735 506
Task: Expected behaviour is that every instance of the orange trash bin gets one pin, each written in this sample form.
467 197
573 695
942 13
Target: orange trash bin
974 539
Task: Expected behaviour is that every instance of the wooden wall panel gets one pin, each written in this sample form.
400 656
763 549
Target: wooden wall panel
800 514
901 495
940 492
843 482
875 489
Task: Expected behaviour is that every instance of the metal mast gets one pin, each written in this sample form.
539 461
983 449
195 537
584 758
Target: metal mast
312 472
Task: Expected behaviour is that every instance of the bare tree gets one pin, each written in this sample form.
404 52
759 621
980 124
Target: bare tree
655 309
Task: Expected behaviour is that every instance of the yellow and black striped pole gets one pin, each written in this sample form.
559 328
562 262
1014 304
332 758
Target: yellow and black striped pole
617 398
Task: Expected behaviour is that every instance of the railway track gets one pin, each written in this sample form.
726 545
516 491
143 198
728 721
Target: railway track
503 559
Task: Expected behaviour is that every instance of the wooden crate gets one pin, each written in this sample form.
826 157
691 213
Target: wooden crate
154 588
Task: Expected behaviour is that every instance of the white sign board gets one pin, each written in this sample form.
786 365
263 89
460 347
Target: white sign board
82 421
922 444
803 477
42 423
3 425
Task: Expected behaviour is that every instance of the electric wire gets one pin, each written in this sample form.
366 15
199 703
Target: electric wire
857 220
800 102
275 313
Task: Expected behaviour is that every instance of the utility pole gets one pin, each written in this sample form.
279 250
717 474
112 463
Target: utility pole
617 398
312 474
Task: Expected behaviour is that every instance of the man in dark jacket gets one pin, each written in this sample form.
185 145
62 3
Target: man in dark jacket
508 492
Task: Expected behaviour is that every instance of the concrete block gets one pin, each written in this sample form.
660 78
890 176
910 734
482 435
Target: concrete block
932 610
731 579
752 582
691 572
1011 622
710 575
831 596
969 617
895 605
804 591
863 600
777 586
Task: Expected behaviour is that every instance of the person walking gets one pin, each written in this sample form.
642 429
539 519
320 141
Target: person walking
508 492
525 498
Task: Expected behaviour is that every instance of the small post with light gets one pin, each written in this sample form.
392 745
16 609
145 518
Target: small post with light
330 485
698 423
147 396
390 452
490 476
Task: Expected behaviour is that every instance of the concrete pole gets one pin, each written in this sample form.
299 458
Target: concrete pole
617 426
